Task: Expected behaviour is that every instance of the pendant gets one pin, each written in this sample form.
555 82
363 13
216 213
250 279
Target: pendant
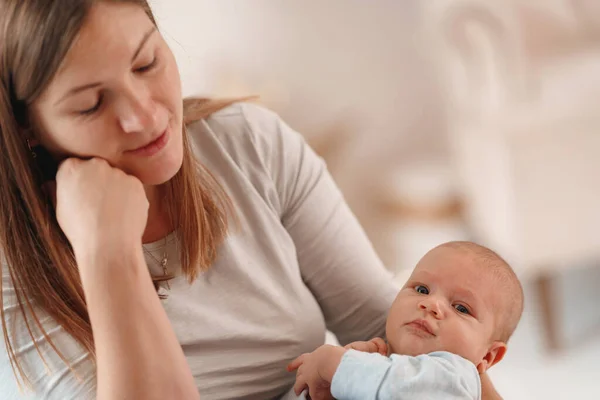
163 263
163 293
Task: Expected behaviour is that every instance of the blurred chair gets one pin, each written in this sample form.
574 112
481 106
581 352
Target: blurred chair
521 84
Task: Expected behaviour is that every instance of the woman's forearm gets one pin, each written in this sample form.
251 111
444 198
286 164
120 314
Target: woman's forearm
138 355
488 392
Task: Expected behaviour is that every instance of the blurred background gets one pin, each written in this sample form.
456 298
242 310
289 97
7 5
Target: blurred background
440 120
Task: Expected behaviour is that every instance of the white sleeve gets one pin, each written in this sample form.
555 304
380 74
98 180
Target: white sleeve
53 380
439 375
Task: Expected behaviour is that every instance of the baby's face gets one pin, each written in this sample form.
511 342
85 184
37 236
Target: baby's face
447 304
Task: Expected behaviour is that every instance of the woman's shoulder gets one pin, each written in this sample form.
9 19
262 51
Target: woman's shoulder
248 134
244 113
239 123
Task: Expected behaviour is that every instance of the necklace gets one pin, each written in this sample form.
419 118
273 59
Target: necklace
163 262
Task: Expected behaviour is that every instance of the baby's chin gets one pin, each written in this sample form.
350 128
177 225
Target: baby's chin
418 347
412 346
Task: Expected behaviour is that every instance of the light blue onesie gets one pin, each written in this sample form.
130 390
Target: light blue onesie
437 375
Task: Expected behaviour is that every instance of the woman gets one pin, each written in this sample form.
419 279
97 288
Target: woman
250 266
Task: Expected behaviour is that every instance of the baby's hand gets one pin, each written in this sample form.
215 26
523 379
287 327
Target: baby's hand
315 371
375 345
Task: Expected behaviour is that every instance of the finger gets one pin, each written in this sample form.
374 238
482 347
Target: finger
372 347
316 393
69 162
368 347
361 346
300 385
294 365
381 346
352 345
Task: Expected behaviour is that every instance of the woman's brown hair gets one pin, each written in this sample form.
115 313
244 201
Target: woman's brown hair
35 36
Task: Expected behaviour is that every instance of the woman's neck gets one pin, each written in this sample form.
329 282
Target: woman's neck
159 224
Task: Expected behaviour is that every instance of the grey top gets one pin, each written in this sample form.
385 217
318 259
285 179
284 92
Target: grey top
297 263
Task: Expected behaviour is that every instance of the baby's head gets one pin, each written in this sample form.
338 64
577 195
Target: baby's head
462 298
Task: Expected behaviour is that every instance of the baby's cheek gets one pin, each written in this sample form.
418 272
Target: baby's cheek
466 343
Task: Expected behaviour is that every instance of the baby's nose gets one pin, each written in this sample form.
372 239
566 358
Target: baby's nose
432 306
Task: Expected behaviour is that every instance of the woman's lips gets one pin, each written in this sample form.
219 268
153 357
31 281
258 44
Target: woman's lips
153 147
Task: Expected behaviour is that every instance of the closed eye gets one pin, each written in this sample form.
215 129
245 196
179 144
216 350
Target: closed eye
95 108
147 67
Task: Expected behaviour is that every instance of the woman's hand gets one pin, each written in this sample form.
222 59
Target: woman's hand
375 345
103 213
98 207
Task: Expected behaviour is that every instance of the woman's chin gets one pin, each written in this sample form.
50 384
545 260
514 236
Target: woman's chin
160 168
159 175
159 171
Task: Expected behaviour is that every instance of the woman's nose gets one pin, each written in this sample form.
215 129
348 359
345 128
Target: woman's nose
137 112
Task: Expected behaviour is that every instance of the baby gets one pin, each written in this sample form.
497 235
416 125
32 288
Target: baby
449 323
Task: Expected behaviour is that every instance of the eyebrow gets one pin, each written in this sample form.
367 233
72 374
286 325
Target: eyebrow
79 89
143 42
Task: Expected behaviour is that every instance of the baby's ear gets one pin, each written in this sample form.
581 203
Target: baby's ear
494 354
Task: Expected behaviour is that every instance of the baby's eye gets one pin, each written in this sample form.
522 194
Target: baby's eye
462 309
422 289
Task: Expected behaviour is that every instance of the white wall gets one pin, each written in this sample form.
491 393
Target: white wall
324 56
349 67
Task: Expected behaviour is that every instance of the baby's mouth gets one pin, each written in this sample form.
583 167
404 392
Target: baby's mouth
421 325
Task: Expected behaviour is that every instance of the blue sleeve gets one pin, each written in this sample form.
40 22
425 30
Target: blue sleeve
371 376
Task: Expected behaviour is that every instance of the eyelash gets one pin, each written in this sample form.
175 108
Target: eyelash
148 67
416 287
455 306
468 312
92 110
145 68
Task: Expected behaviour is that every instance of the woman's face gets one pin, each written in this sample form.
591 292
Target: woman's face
116 96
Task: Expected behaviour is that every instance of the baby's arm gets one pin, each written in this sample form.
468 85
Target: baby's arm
315 370
439 375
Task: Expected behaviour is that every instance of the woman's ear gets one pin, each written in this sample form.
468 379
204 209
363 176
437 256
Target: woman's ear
46 165
494 354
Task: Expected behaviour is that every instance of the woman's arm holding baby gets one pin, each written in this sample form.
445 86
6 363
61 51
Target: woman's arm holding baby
488 391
